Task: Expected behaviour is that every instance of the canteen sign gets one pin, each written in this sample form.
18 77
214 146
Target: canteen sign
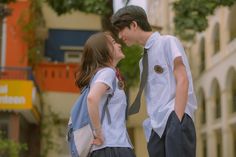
16 94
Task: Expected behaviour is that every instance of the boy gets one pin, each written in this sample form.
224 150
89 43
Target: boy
169 92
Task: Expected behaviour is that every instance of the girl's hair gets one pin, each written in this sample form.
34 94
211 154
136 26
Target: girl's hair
96 54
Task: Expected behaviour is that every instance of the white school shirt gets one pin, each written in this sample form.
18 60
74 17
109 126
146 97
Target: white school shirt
161 87
115 134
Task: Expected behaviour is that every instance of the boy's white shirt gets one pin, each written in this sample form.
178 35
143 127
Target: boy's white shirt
161 87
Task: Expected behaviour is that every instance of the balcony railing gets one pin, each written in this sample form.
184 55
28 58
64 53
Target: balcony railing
16 73
57 77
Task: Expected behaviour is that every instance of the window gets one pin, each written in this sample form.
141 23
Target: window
216 99
233 92
72 54
234 142
203 115
232 23
219 144
4 127
218 136
216 38
202 104
204 145
202 55
217 102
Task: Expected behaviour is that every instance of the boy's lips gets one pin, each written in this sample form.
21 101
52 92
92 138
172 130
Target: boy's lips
124 39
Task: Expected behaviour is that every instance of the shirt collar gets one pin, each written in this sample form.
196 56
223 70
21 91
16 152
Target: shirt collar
151 40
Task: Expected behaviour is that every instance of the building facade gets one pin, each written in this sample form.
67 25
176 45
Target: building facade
20 110
212 59
66 35
35 103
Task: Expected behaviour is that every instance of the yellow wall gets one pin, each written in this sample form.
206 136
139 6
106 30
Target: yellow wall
60 102
135 123
75 20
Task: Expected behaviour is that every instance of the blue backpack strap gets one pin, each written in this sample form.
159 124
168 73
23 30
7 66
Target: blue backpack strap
105 107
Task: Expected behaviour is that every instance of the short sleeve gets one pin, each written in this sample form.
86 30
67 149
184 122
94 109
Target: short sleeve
174 49
106 76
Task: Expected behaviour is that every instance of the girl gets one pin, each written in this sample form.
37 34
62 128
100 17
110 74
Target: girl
100 57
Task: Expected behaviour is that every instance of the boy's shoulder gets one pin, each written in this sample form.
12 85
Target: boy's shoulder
167 38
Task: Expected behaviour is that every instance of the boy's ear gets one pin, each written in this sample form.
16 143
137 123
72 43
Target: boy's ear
134 24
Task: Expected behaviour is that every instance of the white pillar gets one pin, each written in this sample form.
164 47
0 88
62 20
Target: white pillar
227 137
211 137
4 44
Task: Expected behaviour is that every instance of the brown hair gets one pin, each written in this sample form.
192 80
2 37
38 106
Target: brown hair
126 15
96 54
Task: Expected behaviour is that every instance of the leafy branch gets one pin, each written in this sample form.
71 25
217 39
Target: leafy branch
191 15
10 148
30 21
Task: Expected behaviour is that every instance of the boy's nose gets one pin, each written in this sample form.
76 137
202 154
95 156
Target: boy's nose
120 35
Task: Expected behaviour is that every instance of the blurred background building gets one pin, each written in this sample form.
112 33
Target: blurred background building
35 103
212 58
19 101
35 99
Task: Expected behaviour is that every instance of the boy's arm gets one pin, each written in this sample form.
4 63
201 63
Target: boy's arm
181 87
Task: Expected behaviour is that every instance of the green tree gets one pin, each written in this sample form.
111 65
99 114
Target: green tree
191 15
129 66
31 20
10 148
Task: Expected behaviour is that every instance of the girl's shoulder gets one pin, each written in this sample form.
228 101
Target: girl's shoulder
106 71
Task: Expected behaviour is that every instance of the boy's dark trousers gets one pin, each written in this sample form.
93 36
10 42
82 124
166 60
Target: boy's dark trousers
178 139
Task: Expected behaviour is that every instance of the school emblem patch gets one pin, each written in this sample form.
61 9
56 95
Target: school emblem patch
158 69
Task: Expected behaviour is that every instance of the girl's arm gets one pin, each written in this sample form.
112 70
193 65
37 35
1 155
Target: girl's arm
93 101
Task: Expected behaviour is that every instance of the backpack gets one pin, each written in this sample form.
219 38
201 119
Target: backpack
80 134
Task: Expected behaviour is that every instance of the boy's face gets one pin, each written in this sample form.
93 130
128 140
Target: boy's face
128 35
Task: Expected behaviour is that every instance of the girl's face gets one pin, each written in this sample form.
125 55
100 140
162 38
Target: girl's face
115 50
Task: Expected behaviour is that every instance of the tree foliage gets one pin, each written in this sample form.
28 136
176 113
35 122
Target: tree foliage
89 6
129 66
4 11
6 1
191 15
10 148
31 20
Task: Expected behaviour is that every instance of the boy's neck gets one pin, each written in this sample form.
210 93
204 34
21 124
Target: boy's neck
143 37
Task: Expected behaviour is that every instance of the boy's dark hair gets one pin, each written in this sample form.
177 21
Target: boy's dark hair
126 15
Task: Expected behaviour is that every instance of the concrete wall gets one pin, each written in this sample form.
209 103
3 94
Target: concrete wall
75 20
